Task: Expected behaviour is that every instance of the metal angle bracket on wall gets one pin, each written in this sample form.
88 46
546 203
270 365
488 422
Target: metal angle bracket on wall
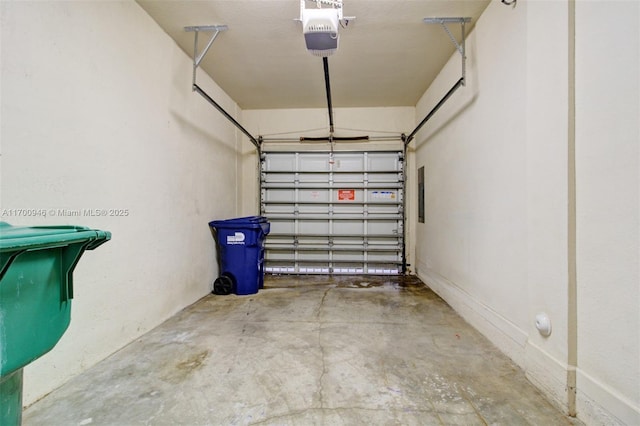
460 47
197 59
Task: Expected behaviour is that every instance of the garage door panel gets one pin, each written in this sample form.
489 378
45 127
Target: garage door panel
279 227
283 162
282 255
279 178
312 177
356 256
312 162
383 162
321 256
311 196
338 212
343 178
383 256
346 228
348 209
390 178
383 227
348 162
275 195
311 209
278 209
381 210
313 227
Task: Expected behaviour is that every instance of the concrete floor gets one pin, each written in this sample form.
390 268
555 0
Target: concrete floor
306 350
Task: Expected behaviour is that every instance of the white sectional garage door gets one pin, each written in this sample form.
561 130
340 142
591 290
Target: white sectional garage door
334 213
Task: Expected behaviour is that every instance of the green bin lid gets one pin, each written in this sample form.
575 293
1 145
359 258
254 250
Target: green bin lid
13 238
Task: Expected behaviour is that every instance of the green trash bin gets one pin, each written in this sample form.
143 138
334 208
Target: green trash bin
36 288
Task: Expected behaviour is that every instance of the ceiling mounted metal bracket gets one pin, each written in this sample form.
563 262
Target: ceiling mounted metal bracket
460 47
197 58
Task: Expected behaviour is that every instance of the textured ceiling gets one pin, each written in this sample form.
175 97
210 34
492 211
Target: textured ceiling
386 57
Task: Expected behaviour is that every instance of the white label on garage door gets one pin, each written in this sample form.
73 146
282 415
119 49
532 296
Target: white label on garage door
385 195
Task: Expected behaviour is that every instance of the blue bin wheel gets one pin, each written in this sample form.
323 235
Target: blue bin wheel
224 284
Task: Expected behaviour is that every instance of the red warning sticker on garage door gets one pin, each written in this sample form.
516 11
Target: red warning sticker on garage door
346 194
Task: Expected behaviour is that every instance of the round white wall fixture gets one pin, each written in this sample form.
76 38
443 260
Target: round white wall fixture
543 324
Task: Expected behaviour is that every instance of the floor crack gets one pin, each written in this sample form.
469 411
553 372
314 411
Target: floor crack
322 352
324 296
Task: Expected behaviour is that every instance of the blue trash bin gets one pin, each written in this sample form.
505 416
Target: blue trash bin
240 243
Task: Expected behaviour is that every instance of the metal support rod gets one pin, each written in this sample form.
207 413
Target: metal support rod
404 210
453 39
407 139
207 47
195 65
253 140
325 63
464 56
325 139
332 138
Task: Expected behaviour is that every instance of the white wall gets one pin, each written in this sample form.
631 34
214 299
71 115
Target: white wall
472 248
608 210
546 189
98 113
497 239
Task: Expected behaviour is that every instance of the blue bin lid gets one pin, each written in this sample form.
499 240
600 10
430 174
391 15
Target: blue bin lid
250 219
248 222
